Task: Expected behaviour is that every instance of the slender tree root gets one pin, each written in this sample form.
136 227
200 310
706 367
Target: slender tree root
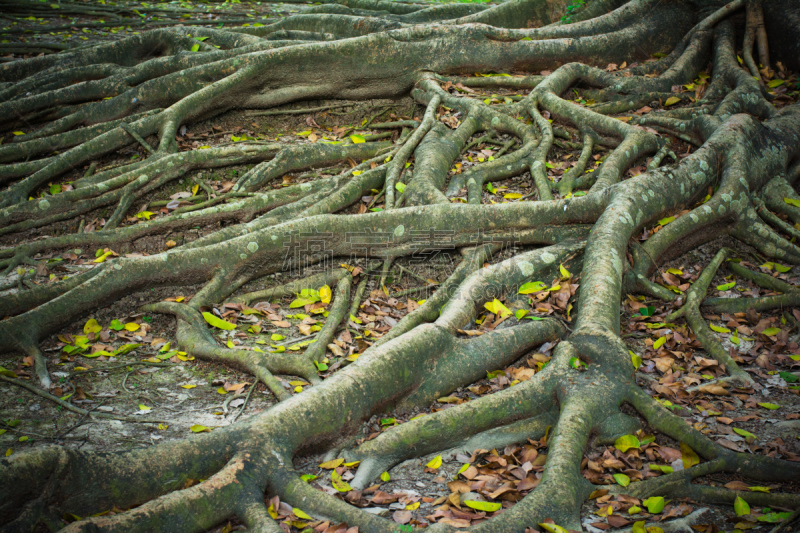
691 312
94 101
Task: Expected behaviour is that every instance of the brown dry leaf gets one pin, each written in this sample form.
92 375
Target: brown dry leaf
455 499
335 350
455 522
737 485
617 521
714 388
730 445
401 517
470 473
459 486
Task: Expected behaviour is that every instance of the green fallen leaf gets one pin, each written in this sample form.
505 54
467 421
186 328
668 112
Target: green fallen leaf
626 442
488 507
741 507
769 332
659 343
300 514
7 373
553 528
125 348
771 406
635 359
576 363
662 468
218 322
531 287
788 377
338 483
744 433
726 286
385 477
654 504
647 311
772 518
300 302
622 479
792 201
665 221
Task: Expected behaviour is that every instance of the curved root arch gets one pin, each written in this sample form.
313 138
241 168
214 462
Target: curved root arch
93 102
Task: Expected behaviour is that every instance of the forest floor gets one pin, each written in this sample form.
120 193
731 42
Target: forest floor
190 395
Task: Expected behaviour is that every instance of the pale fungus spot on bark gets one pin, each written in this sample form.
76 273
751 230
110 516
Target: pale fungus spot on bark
243 256
253 247
526 268
44 204
399 230
204 260
629 217
548 258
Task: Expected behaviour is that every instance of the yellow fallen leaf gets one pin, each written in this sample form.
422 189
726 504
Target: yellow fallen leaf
435 463
92 326
325 294
300 514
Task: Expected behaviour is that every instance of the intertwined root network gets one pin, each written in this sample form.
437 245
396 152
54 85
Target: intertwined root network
95 101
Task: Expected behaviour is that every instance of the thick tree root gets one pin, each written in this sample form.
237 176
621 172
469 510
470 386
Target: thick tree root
355 49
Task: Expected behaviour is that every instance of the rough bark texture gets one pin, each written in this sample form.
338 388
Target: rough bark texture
92 102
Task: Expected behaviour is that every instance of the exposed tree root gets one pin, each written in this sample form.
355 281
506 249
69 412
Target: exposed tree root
98 100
